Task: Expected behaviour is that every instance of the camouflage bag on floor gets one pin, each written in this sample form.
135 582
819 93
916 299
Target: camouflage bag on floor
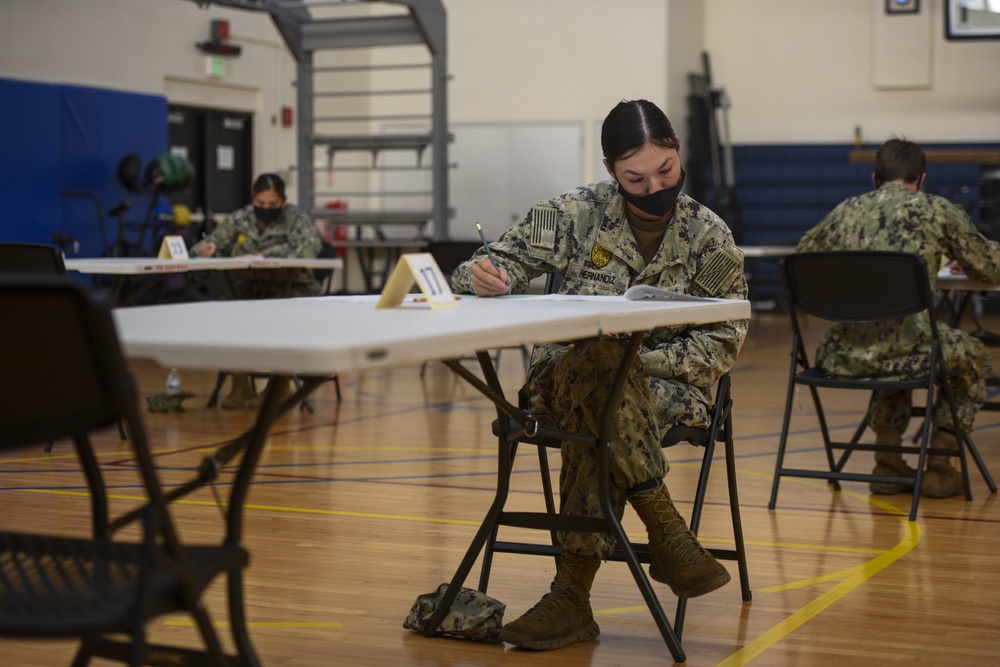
167 403
473 615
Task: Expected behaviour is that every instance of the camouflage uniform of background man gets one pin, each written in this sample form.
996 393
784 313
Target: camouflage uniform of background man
898 216
603 238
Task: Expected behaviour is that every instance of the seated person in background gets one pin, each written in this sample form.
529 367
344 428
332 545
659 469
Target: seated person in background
897 216
602 238
270 227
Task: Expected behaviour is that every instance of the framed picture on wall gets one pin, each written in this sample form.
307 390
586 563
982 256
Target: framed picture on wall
971 19
902 6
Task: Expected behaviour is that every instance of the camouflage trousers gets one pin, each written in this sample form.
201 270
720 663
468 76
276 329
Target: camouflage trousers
569 392
904 356
275 284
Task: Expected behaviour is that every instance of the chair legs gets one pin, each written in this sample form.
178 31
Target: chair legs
486 540
220 379
525 358
738 553
923 447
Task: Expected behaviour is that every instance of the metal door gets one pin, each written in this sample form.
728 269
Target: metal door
186 132
220 146
228 160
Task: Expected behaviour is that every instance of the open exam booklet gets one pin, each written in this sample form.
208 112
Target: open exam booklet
634 293
641 292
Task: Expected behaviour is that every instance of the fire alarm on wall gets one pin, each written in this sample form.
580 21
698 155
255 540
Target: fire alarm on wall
218 45
220 30
286 116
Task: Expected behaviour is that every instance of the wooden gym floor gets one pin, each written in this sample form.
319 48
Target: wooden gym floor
360 507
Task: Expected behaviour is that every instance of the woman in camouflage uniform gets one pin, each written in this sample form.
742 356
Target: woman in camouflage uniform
898 216
603 238
270 227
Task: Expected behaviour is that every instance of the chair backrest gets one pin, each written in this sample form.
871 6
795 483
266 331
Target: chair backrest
60 358
66 377
857 285
325 276
553 281
449 254
31 258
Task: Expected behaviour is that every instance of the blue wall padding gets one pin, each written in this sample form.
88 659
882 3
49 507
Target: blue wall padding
784 190
29 154
61 137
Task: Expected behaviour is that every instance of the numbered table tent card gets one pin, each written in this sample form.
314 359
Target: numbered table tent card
173 247
419 268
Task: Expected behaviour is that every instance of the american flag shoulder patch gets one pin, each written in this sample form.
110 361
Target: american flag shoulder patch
543 226
718 273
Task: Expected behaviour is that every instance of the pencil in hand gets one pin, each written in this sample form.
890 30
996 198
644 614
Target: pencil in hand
486 245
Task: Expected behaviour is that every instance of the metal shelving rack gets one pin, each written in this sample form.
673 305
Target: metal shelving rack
307 35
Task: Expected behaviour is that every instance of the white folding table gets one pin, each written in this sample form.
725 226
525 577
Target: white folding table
123 267
959 282
318 337
325 335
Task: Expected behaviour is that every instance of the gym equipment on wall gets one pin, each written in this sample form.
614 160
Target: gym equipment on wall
711 149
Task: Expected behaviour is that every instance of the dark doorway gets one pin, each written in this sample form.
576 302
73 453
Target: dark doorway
220 145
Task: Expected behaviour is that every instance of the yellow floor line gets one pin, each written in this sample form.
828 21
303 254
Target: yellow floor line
854 577
188 623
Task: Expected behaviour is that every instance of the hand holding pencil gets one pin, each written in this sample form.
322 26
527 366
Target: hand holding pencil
488 277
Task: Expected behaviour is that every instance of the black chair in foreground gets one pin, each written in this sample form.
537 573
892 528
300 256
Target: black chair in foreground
94 584
865 287
36 258
31 258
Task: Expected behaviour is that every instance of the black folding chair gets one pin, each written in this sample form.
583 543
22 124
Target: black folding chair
31 258
720 430
865 287
103 588
325 276
36 258
522 428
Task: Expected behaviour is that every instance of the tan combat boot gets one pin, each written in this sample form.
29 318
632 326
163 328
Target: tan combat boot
563 615
677 558
941 479
240 393
890 463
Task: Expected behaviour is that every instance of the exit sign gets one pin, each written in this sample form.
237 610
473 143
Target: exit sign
215 66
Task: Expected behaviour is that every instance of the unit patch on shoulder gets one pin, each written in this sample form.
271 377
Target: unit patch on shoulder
718 273
599 256
543 227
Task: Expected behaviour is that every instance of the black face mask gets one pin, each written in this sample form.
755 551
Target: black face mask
267 215
658 203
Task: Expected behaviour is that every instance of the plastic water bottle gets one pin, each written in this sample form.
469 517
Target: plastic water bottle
173 382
